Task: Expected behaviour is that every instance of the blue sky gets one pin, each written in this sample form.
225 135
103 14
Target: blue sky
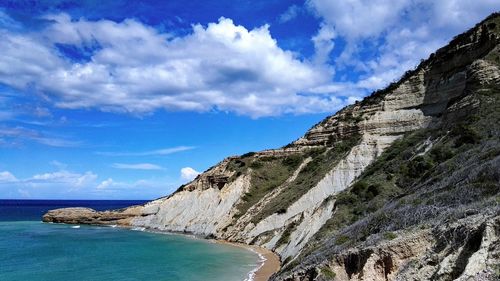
129 99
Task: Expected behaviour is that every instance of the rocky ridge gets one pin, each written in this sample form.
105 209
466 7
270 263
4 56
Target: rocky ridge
292 200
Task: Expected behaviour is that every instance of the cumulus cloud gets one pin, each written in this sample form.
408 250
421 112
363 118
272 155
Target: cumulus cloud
139 166
188 173
131 67
65 178
65 184
106 183
359 18
384 38
7 177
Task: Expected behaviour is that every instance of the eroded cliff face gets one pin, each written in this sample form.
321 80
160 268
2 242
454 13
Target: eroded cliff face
285 199
463 250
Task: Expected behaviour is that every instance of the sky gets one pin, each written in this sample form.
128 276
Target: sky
130 99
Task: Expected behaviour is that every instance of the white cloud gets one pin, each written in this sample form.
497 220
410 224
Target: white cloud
106 183
385 38
136 69
65 184
7 177
157 152
359 18
58 164
323 44
64 177
188 173
139 166
223 66
291 13
13 135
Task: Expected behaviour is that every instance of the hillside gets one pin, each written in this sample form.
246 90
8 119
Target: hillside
403 185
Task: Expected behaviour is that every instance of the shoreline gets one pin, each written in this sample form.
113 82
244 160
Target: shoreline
269 261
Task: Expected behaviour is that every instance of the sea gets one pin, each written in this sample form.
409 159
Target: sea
33 250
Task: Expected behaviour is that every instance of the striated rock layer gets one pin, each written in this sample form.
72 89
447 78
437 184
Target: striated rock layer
292 200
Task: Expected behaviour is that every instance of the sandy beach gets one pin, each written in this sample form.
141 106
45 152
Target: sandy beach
270 263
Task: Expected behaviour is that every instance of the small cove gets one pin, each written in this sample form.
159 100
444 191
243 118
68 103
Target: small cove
32 250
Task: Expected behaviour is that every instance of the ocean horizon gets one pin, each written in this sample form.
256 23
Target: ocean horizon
33 250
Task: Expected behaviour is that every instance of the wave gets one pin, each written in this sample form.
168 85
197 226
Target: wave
75 226
262 261
139 228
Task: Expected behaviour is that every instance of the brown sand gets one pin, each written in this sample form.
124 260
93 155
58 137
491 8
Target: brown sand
270 266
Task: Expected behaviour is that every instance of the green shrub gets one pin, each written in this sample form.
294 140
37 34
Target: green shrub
268 158
418 166
248 154
285 237
389 235
359 187
441 153
313 152
465 134
328 273
345 198
239 166
267 174
341 239
281 211
365 191
287 260
256 164
292 161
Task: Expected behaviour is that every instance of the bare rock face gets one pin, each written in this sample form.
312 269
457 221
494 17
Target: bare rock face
471 252
283 199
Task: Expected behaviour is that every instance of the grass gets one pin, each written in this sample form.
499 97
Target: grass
383 181
285 237
267 174
323 160
327 273
408 187
402 167
341 239
389 235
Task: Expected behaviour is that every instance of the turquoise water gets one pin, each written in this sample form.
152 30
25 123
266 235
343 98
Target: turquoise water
32 250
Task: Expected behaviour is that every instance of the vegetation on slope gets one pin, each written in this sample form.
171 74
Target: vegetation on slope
323 160
270 172
267 173
426 177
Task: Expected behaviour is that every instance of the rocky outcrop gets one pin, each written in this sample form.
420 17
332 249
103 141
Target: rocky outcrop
284 199
198 211
464 250
89 216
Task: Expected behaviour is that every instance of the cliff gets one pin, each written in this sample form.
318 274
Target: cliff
403 185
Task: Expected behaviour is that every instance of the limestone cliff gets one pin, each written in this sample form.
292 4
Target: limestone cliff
331 203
